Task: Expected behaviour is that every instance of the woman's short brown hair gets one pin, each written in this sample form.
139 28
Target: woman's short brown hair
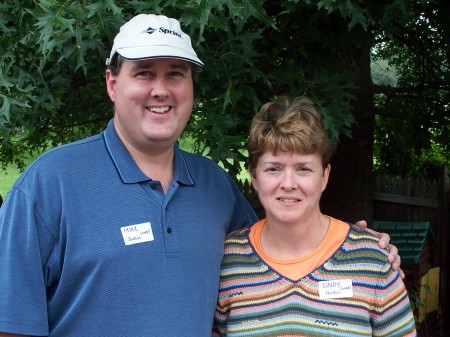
291 126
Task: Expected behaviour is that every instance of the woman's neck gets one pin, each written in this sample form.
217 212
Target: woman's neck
294 240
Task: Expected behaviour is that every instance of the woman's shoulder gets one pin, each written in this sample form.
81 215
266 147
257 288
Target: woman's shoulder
362 243
238 235
237 242
362 234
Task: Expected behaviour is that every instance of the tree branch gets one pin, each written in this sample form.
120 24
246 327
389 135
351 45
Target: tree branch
389 90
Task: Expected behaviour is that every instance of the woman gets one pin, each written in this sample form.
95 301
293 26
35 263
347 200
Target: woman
299 272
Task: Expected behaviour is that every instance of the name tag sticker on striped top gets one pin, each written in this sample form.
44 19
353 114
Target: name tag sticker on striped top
335 289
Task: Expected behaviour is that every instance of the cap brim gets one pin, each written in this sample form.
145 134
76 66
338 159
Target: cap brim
152 52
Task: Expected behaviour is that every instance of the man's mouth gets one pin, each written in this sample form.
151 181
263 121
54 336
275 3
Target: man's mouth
159 110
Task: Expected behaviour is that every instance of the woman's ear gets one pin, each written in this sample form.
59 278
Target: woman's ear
252 172
326 175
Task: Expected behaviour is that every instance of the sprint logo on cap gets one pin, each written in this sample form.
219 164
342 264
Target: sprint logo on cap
162 30
149 30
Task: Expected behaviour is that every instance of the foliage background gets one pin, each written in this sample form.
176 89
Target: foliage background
378 70
340 53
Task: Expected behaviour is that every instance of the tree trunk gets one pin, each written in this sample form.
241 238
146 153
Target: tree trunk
348 195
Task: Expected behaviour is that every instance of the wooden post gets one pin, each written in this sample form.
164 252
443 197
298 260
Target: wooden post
444 242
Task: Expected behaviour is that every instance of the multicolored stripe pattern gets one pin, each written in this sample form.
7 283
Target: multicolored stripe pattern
254 300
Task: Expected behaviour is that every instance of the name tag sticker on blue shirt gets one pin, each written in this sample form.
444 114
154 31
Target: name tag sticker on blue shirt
137 233
335 289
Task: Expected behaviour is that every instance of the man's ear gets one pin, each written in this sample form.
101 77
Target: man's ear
111 84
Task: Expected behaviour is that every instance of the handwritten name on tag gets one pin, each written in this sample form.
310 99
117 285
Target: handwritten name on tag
335 288
137 233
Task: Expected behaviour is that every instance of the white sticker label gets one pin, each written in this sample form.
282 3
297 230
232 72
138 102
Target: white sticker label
336 288
137 233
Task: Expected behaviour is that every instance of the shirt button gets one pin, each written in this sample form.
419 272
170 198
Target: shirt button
153 186
169 230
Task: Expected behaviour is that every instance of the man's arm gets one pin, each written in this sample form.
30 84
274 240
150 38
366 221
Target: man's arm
384 239
4 334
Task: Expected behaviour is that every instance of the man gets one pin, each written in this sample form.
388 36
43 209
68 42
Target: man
121 234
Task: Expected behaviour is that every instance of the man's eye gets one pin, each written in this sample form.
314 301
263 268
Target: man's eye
176 74
144 74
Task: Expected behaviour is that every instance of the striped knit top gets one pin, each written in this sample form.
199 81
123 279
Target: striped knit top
354 293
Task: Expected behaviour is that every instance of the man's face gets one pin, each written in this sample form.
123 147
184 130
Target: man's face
153 101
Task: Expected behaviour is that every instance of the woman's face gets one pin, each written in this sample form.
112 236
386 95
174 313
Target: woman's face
289 185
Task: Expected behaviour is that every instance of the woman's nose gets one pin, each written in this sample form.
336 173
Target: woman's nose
288 181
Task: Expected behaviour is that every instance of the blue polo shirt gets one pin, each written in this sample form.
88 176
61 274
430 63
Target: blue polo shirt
90 246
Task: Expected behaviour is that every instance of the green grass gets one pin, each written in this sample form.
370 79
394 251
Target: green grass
7 179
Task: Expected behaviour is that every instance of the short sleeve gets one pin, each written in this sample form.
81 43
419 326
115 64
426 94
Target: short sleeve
23 304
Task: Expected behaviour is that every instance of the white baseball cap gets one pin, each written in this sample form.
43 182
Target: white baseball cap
148 36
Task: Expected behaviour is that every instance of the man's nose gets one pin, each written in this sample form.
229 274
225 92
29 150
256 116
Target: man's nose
159 87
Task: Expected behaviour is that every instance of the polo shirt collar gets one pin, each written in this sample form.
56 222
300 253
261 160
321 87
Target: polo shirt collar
181 169
126 166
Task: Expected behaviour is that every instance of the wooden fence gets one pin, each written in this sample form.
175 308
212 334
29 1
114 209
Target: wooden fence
398 199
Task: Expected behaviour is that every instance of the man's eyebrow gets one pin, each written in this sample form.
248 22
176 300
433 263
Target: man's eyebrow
140 66
179 65
150 65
